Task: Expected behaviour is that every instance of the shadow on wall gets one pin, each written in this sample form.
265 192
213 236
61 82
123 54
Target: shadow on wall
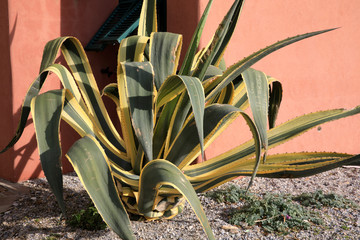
6 105
81 19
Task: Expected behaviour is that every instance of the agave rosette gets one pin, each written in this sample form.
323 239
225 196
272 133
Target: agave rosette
169 114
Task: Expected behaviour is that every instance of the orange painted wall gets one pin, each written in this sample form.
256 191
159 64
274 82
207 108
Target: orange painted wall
317 74
30 24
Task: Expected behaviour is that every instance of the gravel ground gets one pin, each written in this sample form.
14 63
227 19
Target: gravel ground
35 215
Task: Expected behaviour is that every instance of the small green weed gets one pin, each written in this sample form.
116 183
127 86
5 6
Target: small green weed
278 213
274 213
230 194
318 200
88 219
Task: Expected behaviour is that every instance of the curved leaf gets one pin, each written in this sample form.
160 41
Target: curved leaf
257 89
76 58
92 166
67 81
111 90
216 119
181 110
172 87
161 172
132 49
46 111
79 120
195 94
25 108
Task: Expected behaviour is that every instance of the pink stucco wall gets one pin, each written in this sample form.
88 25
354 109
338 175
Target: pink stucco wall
318 73
31 24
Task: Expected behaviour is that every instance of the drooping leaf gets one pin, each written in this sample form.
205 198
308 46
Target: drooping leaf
80 121
76 58
257 89
111 90
161 172
92 166
46 111
181 111
132 49
196 95
216 119
34 91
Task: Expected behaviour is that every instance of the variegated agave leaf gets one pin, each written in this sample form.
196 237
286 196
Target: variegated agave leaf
169 115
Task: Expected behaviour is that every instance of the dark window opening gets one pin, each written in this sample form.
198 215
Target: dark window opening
123 22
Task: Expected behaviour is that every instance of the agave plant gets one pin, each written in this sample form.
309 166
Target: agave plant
169 114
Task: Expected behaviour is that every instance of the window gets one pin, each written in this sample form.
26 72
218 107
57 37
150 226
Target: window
123 22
